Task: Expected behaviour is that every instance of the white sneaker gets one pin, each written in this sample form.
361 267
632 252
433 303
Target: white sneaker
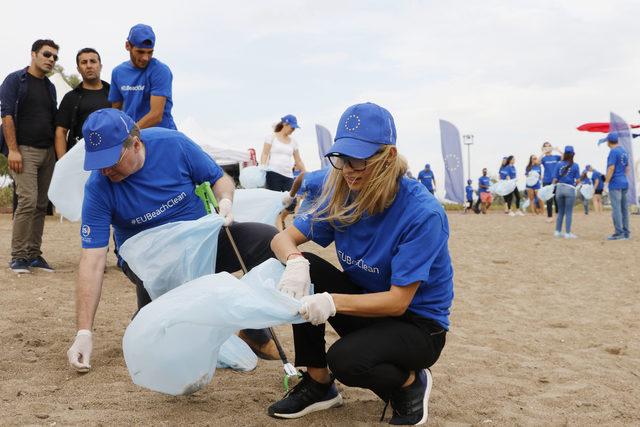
557 234
570 236
511 213
548 219
519 213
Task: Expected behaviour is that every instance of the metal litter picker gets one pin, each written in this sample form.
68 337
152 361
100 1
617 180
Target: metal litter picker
211 205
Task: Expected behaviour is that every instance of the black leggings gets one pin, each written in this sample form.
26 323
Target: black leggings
373 353
276 182
254 244
509 197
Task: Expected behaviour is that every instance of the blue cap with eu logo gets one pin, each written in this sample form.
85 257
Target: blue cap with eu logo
363 129
104 133
290 120
142 36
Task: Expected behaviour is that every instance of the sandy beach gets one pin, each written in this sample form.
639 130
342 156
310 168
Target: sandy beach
544 332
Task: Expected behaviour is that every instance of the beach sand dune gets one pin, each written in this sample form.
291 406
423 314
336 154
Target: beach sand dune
544 332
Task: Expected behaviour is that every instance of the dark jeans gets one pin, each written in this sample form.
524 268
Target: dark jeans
277 182
254 244
373 353
509 197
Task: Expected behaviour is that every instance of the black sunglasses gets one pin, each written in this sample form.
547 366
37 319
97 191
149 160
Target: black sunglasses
48 55
339 162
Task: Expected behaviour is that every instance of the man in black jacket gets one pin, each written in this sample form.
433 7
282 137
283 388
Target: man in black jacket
28 108
90 95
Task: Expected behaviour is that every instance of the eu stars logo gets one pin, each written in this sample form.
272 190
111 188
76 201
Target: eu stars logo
94 139
451 162
352 123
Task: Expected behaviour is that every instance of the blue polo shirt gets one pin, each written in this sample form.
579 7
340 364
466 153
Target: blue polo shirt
619 158
426 178
549 162
567 174
406 243
134 87
484 180
163 191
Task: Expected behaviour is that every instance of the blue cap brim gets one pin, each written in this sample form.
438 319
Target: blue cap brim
94 160
355 148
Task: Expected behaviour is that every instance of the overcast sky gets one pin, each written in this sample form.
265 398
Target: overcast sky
512 73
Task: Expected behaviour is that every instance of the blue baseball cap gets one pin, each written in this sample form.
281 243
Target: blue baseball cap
291 120
568 149
362 130
469 181
587 167
104 133
427 166
612 137
142 36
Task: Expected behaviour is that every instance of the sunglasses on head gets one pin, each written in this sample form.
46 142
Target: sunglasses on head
48 55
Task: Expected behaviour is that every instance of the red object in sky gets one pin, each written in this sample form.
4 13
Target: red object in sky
598 127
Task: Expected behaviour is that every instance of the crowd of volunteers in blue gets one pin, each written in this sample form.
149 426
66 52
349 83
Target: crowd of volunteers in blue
557 168
390 299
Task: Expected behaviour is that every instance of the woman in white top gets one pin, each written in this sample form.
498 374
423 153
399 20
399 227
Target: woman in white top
280 155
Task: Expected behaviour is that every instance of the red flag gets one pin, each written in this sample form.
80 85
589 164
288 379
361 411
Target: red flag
598 127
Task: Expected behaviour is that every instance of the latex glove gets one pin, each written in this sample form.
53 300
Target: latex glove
295 280
317 308
80 352
224 209
287 199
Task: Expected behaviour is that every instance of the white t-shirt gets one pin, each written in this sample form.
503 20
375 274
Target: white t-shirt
281 155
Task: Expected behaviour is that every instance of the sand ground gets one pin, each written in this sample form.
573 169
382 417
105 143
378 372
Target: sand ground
544 332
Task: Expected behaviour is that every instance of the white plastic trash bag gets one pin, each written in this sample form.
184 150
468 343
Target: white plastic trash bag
257 205
525 205
167 256
172 345
503 187
253 177
532 178
546 192
237 355
66 190
587 191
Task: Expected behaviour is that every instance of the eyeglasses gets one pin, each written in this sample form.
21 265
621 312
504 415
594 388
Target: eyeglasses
48 55
339 162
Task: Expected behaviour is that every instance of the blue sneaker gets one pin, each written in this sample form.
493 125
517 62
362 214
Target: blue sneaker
306 397
41 264
615 237
19 265
411 404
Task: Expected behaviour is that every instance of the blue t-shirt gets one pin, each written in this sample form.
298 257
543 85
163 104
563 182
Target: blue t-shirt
538 169
311 187
567 175
469 190
134 87
406 243
163 191
549 162
426 178
504 172
597 175
619 158
585 180
486 181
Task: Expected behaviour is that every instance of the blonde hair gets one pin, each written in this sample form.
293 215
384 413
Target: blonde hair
336 203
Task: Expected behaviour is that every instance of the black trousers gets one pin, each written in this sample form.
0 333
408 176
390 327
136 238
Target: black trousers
276 182
551 202
254 244
373 353
509 198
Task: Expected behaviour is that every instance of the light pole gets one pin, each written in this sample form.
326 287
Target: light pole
468 141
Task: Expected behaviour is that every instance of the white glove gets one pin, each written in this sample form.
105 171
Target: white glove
224 209
317 308
295 280
80 352
287 199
